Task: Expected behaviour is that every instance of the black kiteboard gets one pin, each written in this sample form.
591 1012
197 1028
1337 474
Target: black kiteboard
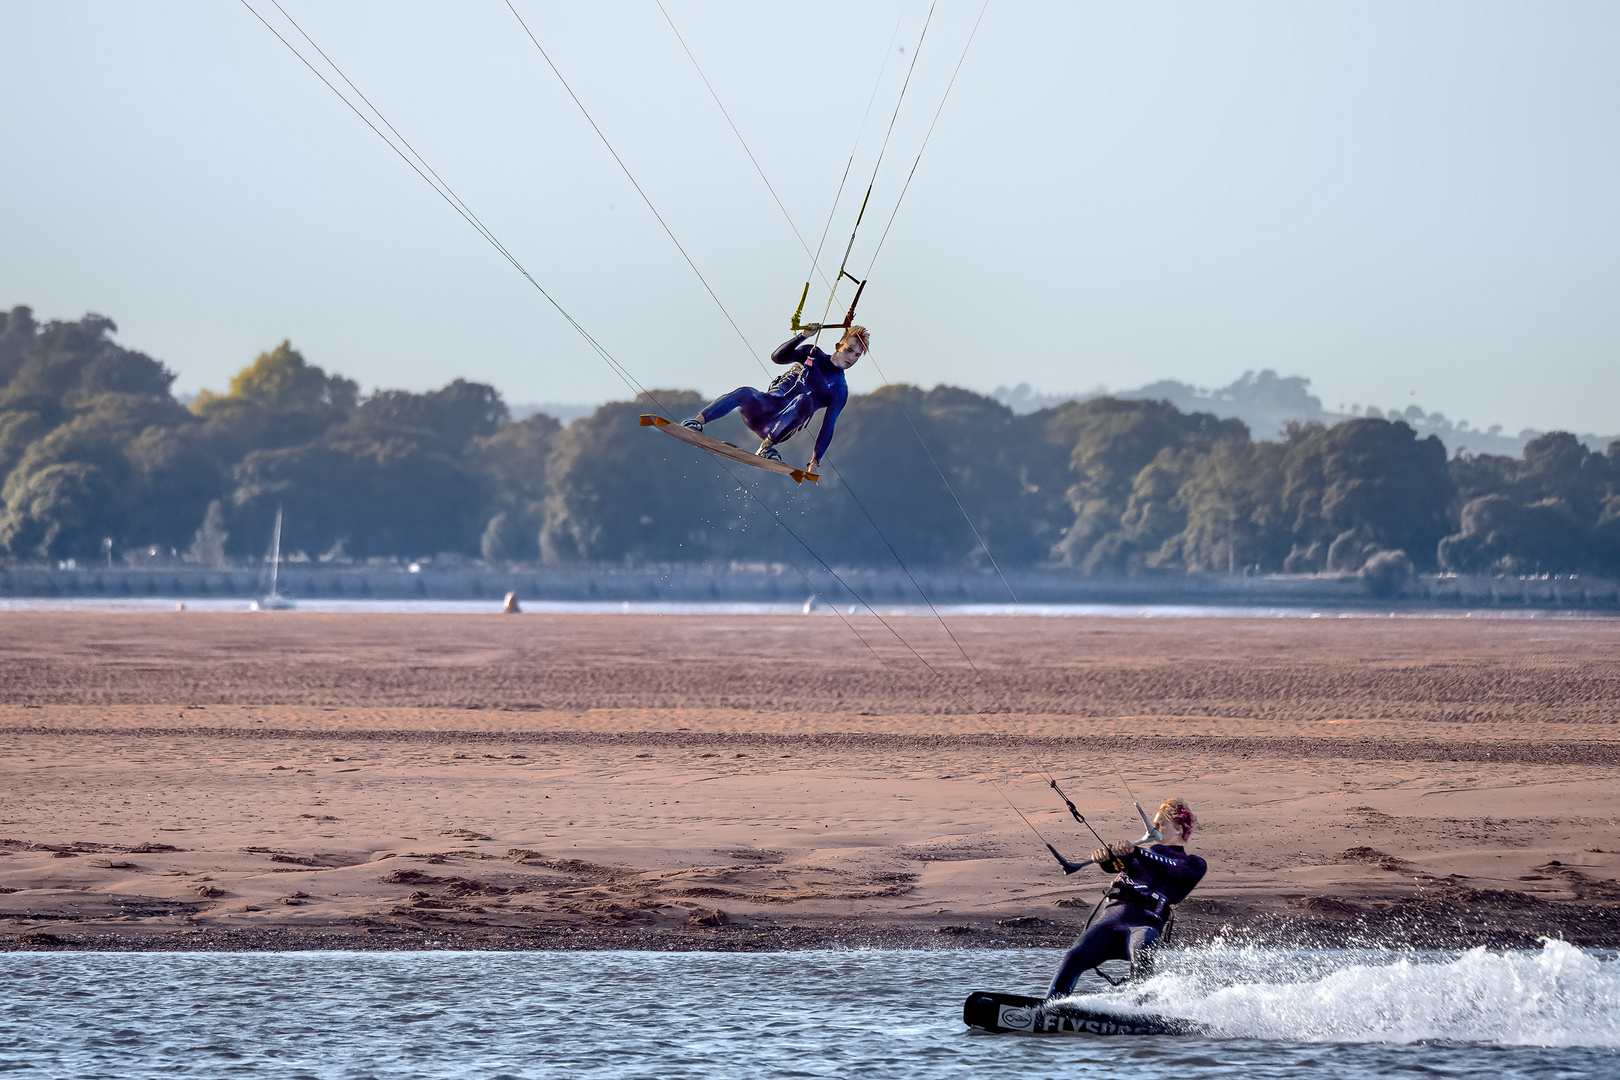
1014 1012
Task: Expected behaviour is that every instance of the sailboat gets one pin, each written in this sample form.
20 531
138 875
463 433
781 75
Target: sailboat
274 601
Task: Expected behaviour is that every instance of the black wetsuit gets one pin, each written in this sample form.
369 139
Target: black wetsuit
1136 912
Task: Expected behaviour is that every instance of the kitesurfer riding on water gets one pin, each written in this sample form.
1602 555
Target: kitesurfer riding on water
1138 904
814 381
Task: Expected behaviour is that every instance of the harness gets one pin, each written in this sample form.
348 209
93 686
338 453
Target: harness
1153 904
788 383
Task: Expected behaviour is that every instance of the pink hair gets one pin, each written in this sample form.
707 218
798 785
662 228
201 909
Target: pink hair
1177 811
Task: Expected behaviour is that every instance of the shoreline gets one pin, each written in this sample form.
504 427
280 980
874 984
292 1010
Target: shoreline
474 586
1386 924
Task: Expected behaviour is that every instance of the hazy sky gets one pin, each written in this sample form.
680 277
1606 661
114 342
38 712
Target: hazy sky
1401 201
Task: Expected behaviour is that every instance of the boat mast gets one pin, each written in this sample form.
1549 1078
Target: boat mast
275 552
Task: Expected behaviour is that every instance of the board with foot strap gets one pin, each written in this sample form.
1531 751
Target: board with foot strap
727 450
991 1011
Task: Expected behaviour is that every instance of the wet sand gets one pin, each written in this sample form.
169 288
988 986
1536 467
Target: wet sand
199 780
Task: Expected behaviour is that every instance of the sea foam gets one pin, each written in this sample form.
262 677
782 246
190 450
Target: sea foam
1559 996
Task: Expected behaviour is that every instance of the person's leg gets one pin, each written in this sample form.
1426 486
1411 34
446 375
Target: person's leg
789 419
757 408
724 405
1139 945
1105 940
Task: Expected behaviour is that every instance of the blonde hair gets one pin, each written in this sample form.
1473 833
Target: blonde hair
1179 813
857 335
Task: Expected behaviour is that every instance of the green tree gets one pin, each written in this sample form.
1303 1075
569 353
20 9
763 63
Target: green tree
110 448
1234 511
1549 512
1498 534
282 380
515 458
1112 441
55 369
400 476
622 493
19 429
449 418
1558 466
53 511
1364 486
375 498
279 400
895 473
92 445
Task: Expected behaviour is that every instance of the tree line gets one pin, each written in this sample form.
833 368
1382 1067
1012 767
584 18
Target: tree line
95 447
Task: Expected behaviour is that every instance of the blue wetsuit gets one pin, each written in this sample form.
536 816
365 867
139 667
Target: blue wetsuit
779 412
1138 907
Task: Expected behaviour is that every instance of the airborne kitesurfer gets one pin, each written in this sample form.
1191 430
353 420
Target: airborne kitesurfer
814 381
1138 905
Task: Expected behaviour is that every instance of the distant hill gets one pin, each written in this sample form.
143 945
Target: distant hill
1266 402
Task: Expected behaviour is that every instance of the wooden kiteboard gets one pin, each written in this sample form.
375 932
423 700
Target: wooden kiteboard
726 450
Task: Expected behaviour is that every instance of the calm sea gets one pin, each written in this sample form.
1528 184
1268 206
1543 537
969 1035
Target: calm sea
1279 1013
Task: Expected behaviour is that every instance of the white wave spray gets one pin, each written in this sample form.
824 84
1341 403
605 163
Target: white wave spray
1559 996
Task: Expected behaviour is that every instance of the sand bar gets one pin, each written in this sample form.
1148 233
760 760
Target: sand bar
384 781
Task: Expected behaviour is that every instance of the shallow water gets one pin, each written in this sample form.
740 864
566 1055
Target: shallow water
1280 1013
640 607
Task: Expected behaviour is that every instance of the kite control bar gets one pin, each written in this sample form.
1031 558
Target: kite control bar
1068 867
798 313
1152 834
1072 867
849 316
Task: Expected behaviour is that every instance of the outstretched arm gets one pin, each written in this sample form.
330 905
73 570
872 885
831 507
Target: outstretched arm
828 421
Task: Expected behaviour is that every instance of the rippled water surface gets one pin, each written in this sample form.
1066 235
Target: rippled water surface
1553 1013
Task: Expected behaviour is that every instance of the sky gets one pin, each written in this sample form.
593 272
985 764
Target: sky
1405 203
